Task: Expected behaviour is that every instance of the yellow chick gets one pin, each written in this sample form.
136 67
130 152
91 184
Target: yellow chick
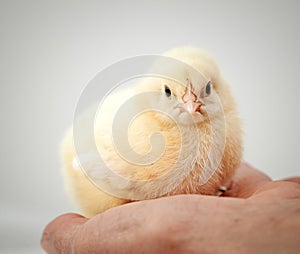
158 138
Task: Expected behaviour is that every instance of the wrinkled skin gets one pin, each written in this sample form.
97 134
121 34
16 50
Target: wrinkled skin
256 215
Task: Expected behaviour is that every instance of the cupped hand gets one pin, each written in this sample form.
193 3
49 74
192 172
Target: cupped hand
256 215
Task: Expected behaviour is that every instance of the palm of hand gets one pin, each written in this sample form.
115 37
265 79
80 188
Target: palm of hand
256 215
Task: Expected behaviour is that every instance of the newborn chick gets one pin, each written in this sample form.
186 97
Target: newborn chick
199 149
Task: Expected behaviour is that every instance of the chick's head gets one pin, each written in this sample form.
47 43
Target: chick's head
195 91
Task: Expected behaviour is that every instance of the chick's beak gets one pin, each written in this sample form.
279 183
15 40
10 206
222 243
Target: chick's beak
192 107
190 101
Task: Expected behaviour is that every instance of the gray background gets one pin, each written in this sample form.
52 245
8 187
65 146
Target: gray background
49 50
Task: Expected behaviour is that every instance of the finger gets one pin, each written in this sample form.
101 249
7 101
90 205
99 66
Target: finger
246 181
292 179
281 189
57 234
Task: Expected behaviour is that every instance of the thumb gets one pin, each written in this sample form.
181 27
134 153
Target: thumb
58 234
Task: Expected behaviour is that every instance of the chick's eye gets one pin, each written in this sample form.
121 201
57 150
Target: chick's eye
168 91
208 88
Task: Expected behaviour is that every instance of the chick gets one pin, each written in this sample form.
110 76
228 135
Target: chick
197 149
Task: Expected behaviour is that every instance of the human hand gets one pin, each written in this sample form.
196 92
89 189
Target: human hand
256 215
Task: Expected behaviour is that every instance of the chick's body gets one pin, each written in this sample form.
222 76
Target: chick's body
209 148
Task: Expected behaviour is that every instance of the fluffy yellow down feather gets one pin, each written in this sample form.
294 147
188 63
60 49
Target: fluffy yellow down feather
196 150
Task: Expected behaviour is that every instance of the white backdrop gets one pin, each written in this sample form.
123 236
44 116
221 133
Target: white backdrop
49 50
